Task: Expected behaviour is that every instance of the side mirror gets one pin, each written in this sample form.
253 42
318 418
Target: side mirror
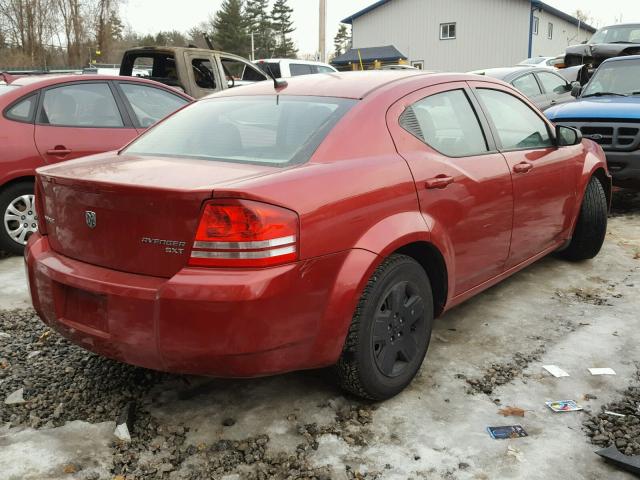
576 89
567 136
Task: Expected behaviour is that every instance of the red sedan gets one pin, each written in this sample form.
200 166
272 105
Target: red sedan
324 222
47 119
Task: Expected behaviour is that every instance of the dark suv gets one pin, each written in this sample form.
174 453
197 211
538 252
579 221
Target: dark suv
608 42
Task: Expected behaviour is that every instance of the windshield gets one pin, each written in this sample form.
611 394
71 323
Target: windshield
621 77
617 34
274 130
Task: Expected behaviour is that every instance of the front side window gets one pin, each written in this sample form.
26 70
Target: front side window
151 104
447 31
550 31
81 105
203 73
621 77
23 110
517 125
269 130
553 83
446 122
238 70
325 69
528 85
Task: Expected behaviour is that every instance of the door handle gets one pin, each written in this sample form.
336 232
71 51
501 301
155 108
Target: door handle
522 167
59 151
441 181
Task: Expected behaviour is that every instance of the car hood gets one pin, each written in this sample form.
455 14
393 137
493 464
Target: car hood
601 50
612 107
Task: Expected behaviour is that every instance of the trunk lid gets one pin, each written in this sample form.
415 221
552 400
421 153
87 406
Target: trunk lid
132 214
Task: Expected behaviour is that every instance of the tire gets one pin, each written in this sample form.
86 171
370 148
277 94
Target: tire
13 199
591 227
397 301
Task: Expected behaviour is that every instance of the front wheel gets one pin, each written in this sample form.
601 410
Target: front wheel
390 331
591 227
19 218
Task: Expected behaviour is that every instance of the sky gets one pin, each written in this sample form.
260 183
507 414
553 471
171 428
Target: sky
150 16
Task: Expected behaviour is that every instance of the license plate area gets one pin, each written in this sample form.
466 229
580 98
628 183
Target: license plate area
83 310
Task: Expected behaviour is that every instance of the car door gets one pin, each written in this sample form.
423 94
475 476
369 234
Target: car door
528 85
544 176
463 183
556 88
147 104
79 119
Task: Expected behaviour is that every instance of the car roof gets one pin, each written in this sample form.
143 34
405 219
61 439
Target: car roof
622 59
508 72
45 80
354 85
621 25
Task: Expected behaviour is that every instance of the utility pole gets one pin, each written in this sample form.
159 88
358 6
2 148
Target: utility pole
253 47
323 31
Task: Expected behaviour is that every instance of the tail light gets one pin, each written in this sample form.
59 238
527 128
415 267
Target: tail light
245 233
39 203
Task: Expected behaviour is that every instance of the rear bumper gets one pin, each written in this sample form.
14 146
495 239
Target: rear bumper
624 168
228 323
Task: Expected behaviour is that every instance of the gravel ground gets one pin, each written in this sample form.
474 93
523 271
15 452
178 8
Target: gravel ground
59 382
607 429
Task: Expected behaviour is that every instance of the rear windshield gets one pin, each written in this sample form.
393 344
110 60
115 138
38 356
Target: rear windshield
274 130
7 88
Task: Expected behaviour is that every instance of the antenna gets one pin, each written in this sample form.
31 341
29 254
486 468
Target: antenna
278 83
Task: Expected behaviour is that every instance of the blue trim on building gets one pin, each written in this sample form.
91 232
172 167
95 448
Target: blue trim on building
531 29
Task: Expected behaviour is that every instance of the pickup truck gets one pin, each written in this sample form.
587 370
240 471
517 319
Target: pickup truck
608 42
196 71
607 111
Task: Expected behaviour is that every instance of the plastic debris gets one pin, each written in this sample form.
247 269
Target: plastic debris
555 371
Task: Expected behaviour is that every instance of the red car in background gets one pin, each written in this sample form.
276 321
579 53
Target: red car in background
323 222
48 119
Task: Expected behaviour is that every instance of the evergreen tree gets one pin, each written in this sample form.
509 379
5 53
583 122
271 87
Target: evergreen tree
283 26
342 40
257 20
229 32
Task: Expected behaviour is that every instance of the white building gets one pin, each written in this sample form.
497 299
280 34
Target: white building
463 35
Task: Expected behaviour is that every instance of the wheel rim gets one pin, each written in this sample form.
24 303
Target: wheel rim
20 219
398 329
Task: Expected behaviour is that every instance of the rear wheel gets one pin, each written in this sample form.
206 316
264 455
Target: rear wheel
390 331
591 227
19 218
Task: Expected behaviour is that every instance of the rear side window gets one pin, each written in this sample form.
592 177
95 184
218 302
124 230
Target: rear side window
81 105
274 130
298 69
517 125
151 104
23 110
528 85
446 122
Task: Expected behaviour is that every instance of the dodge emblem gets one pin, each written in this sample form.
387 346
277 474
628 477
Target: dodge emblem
91 219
